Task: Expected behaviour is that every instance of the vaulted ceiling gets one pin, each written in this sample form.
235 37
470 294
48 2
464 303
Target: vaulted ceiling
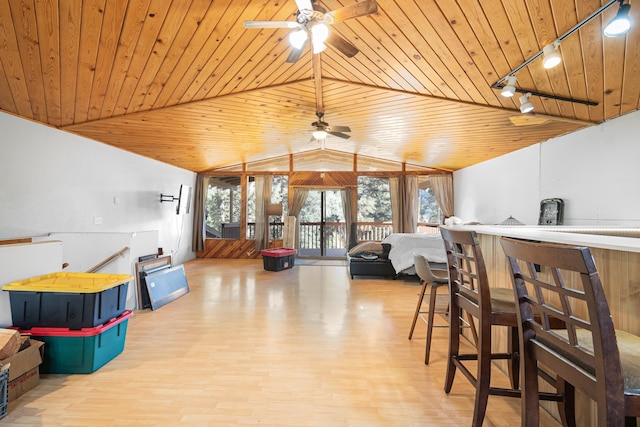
184 82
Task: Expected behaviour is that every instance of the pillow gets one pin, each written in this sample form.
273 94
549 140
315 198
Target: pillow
386 247
375 247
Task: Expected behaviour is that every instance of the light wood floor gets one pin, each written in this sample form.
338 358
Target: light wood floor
300 347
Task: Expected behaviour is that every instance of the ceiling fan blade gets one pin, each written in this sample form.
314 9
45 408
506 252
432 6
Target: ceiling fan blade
340 129
354 10
271 24
295 54
305 7
339 134
342 45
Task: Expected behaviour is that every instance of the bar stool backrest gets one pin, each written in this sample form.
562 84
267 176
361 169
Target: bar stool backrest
467 272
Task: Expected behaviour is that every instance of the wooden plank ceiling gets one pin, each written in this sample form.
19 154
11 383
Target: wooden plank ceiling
184 82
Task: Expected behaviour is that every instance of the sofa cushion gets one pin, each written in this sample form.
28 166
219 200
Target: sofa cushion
373 247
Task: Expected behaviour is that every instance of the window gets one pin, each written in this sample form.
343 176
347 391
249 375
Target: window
430 213
374 208
222 215
279 196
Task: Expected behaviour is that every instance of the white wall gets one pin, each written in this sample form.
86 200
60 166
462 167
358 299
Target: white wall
595 171
53 181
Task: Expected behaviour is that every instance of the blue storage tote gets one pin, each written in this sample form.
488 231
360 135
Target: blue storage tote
67 300
81 351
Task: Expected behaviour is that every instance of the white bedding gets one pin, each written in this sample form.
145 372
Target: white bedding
405 245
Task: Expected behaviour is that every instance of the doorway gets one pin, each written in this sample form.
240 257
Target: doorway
322 225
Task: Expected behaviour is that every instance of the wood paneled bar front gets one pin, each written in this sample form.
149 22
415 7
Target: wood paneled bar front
617 258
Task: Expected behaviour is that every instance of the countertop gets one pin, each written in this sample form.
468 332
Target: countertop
594 237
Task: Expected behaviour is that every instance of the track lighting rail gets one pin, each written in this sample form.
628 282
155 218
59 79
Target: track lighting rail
499 84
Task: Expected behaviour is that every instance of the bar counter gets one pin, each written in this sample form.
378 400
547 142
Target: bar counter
617 259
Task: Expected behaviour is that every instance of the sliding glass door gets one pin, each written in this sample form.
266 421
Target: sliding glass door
322 225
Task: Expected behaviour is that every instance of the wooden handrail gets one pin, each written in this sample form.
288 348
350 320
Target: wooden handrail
108 260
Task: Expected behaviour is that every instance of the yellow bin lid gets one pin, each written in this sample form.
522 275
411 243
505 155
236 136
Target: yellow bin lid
69 282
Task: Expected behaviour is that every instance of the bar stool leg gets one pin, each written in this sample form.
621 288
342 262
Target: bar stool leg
514 363
567 406
417 313
454 346
432 312
483 376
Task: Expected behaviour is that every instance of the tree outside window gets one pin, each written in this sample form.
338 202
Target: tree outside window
222 216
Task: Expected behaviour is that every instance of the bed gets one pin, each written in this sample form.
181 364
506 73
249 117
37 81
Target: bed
405 245
394 255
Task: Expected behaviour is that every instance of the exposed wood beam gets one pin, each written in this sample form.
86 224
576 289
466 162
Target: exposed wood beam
317 80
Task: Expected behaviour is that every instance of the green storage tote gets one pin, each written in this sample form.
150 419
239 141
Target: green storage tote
81 351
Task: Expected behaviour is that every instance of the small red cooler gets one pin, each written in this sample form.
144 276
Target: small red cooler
278 258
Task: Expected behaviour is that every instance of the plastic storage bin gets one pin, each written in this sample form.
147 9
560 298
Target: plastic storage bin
4 392
81 352
278 259
67 300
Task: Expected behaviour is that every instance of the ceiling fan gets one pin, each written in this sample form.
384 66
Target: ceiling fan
322 129
312 23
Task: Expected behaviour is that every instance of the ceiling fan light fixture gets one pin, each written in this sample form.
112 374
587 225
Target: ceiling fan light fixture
298 38
551 55
319 32
525 105
621 23
510 88
319 134
318 47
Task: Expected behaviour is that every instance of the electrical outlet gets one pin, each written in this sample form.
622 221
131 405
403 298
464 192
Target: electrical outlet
97 220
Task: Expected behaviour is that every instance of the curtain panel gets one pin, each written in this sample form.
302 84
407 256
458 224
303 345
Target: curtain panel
299 197
442 186
395 190
411 209
263 198
199 207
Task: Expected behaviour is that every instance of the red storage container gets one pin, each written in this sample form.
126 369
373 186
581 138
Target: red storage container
278 258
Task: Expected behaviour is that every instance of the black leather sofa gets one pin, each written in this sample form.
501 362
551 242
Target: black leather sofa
361 265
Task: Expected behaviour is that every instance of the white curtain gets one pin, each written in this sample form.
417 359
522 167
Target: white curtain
263 198
411 209
299 197
442 186
395 190
349 220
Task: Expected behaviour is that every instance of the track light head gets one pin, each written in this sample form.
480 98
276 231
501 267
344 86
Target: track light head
525 105
621 23
551 55
510 88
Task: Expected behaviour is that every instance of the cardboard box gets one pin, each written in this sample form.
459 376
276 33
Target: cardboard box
23 372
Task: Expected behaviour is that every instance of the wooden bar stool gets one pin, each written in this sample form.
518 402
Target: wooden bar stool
469 291
589 353
429 280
